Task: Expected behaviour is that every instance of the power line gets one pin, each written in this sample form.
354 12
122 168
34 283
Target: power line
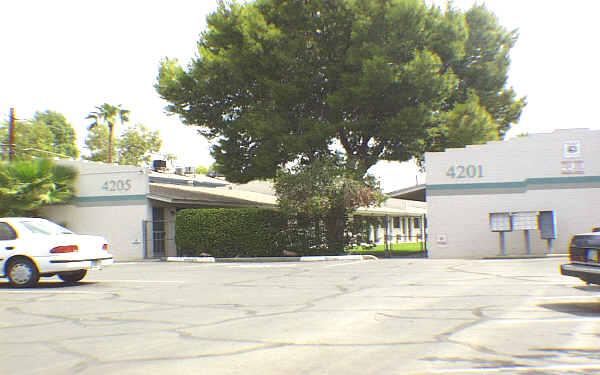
45 151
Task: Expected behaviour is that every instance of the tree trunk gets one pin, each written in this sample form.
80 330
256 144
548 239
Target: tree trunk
110 139
336 223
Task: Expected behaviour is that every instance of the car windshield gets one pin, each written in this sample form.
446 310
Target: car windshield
45 227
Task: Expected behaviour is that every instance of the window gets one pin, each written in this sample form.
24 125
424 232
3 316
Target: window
158 232
417 222
396 221
7 233
40 226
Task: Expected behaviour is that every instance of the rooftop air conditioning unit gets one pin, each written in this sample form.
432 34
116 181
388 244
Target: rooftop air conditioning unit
159 165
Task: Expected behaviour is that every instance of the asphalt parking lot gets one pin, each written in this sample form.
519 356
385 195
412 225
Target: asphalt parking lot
401 316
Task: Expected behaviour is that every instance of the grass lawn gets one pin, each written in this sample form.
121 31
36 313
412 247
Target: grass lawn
407 247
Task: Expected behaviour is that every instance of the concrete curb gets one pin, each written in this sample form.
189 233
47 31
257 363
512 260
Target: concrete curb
189 259
327 258
337 257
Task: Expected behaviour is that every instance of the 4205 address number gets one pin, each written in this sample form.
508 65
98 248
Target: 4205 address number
116 185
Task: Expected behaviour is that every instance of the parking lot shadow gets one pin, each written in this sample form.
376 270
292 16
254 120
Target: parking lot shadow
49 285
589 288
576 308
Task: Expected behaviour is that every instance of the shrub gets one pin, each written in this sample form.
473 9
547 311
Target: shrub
230 232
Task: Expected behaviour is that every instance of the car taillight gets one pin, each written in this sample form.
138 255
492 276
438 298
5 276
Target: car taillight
105 247
65 249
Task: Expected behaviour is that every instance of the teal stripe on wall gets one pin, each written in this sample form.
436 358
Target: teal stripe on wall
563 180
483 185
110 198
518 184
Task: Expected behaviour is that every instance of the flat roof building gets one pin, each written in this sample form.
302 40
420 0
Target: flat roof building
524 196
135 207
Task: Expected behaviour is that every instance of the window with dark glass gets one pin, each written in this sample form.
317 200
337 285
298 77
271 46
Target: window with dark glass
7 233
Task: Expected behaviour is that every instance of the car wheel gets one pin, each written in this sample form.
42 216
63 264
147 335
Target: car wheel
22 273
72 277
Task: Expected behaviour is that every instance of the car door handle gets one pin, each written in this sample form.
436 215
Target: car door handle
10 247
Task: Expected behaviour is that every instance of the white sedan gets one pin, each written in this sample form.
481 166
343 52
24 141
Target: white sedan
31 248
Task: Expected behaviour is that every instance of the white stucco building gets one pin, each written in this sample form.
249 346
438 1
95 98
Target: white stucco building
135 207
512 187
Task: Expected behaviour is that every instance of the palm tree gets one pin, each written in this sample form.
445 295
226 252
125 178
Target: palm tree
28 185
108 114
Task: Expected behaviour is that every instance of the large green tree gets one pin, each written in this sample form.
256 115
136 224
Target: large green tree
134 146
28 185
97 142
277 81
137 144
64 138
324 190
107 114
47 134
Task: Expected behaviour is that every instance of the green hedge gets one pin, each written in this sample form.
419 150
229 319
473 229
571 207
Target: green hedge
230 232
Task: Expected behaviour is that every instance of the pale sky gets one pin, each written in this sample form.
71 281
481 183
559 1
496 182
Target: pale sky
70 56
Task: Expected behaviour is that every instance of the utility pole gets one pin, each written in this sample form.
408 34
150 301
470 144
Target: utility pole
11 135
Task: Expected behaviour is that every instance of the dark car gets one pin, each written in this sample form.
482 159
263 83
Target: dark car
584 254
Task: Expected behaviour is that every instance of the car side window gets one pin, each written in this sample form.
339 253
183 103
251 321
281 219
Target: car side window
7 233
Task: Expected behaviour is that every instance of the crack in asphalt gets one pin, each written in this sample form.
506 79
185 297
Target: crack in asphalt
249 312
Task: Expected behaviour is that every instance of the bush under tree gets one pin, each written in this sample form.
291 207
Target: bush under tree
28 185
323 195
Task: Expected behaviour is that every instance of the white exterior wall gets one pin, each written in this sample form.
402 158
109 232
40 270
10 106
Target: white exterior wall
521 174
110 200
121 226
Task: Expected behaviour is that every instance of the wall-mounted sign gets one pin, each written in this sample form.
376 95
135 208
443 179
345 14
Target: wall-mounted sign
572 149
500 222
442 239
525 220
571 167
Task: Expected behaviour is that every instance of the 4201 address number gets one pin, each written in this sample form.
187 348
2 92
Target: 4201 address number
465 171
116 185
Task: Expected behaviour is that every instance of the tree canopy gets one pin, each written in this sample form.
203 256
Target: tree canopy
285 81
47 134
135 145
107 114
323 186
97 142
